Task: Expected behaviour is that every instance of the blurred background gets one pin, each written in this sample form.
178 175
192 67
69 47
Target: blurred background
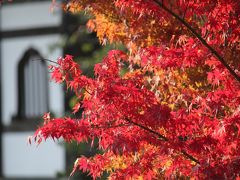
31 30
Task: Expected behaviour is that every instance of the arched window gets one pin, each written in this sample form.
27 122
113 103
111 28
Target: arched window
32 86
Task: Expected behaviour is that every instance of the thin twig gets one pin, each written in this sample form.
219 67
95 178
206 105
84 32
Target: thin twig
190 156
87 91
163 138
108 127
147 129
48 60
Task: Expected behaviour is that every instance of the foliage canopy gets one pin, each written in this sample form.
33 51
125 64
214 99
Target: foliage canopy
170 105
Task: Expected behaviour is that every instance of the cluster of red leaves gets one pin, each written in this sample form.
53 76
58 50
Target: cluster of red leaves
175 112
116 108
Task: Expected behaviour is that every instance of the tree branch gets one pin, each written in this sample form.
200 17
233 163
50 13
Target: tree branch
147 129
163 138
108 127
190 28
47 60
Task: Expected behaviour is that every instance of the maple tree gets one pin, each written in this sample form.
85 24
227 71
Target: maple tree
170 105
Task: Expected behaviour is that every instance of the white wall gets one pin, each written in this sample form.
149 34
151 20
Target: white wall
23 160
20 159
12 51
29 15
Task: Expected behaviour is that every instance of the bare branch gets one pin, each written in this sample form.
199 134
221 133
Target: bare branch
108 126
47 60
190 28
163 138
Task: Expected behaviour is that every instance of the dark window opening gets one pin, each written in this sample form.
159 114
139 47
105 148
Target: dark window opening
32 86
